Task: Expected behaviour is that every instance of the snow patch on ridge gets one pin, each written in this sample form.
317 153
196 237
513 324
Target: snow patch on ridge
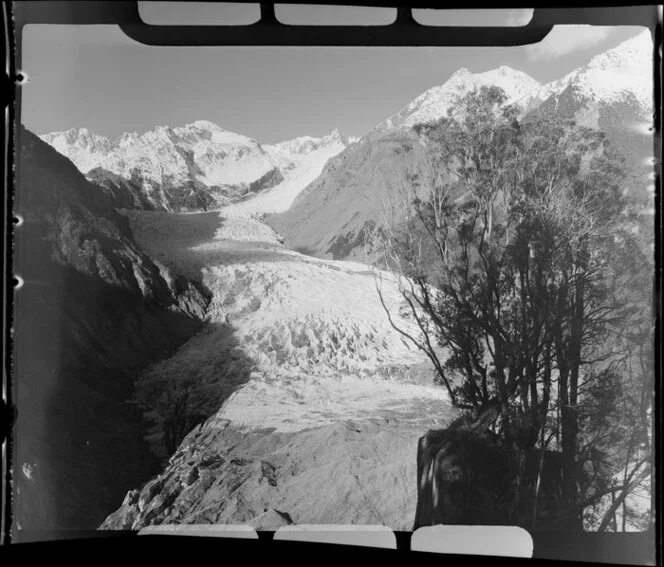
611 77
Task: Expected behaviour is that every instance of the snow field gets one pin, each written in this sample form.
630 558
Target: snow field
280 197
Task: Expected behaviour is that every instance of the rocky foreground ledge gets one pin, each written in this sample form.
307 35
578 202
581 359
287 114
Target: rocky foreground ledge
344 473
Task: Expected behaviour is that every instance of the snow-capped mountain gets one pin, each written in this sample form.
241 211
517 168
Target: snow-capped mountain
621 75
433 104
196 166
612 93
304 145
85 148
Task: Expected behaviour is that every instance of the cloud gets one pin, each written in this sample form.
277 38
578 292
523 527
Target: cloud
564 40
519 17
488 17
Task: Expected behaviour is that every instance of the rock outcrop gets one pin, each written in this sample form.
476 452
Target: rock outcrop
346 473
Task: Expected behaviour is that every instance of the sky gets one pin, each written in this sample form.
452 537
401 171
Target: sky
98 78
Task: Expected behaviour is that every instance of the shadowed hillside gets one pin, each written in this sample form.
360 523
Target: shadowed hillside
331 217
93 310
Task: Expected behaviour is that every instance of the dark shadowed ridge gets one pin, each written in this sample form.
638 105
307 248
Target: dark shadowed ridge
125 194
93 311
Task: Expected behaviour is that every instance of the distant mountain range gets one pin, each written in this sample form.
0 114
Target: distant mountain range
519 87
613 92
192 167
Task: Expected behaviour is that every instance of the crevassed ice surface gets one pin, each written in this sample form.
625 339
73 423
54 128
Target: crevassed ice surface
318 341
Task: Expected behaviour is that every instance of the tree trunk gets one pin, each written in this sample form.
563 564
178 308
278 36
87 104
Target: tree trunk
571 420
569 423
624 494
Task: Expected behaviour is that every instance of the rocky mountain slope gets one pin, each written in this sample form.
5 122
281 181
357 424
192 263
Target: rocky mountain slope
332 216
93 310
329 219
319 402
346 473
193 167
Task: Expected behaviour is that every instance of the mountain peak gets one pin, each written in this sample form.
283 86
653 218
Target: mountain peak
621 73
460 74
304 145
335 136
630 53
127 138
204 125
505 75
434 103
617 75
76 134
505 71
80 136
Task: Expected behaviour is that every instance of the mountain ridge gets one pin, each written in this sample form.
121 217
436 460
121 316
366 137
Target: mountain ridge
435 102
195 166
629 63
